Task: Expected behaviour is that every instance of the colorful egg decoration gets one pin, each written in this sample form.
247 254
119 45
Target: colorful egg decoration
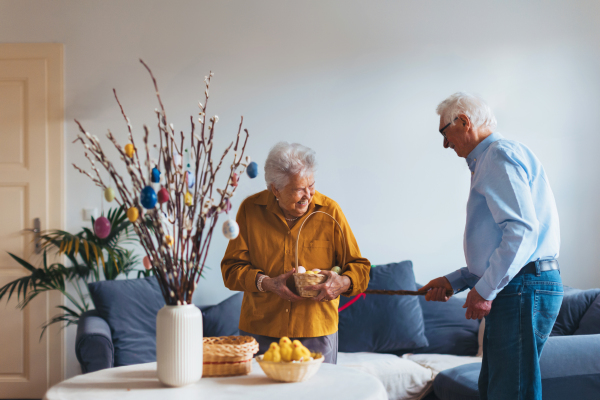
191 179
227 206
231 229
169 240
301 270
189 199
337 270
163 195
177 159
133 213
147 263
109 194
148 198
234 180
155 175
102 227
252 170
129 150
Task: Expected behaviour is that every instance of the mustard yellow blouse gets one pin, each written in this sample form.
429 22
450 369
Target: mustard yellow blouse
266 244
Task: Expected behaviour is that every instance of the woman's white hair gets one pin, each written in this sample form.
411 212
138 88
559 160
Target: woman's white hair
472 105
286 160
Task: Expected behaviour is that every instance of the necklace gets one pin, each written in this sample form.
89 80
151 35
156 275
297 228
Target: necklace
291 219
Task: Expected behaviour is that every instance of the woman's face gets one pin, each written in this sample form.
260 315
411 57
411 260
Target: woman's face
295 197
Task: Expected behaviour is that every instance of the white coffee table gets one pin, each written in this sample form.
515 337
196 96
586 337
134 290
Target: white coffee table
140 382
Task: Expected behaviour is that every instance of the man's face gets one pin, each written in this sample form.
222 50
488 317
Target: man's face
455 136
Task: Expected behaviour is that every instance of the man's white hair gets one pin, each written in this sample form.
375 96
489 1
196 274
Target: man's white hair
286 160
472 105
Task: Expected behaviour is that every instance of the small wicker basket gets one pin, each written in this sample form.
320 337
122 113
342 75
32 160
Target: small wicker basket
290 371
304 280
228 355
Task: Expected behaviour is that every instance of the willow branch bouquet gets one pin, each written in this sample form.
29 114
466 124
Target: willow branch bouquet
173 205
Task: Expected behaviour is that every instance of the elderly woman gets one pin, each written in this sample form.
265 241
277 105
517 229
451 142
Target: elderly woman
261 261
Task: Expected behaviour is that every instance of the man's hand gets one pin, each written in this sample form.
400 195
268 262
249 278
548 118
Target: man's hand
477 307
332 287
278 286
439 289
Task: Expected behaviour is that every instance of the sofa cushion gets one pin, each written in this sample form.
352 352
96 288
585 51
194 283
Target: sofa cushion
459 383
575 304
383 323
223 319
590 322
130 307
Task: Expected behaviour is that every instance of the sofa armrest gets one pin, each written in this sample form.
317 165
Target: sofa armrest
570 367
93 344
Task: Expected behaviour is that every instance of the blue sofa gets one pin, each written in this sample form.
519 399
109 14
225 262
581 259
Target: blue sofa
570 363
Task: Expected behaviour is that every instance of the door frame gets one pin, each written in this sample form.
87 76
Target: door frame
53 55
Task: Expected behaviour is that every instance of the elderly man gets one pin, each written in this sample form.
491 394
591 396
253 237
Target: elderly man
511 243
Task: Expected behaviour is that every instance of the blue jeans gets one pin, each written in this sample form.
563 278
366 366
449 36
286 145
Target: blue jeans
516 330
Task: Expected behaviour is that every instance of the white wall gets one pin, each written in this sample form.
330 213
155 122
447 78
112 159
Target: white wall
359 83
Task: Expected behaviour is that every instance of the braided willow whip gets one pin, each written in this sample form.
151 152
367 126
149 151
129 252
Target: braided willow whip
403 292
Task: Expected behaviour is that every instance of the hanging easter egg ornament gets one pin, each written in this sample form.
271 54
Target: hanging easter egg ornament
191 179
155 175
148 198
133 214
252 170
234 180
227 207
147 263
188 199
129 150
109 194
231 229
163 195
169 240
102 227
177 159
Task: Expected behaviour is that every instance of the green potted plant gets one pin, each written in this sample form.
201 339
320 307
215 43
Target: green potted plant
90 259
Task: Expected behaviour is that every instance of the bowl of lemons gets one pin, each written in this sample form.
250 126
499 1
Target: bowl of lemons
289 361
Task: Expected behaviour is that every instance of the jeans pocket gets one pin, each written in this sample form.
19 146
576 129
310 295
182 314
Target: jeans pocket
545 311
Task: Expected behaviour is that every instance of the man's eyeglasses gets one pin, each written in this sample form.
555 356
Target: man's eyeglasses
446 126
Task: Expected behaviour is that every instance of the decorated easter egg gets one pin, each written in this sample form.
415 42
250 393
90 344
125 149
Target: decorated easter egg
163 195
234 180
102 227
155 175
337 270
316 270
177 159
147 263
252 170
133 214
227 207
231 229
310 272
169 240
129 150
109 194
189 199
148 197
301 270
191 179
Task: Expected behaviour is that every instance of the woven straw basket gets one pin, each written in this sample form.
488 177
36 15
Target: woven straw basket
304 280
290 371
228 355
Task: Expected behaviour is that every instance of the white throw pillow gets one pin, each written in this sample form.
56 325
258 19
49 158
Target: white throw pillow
403 379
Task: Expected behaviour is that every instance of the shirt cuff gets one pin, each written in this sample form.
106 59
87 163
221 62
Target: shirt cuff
485 290
353 281
250 281
457 280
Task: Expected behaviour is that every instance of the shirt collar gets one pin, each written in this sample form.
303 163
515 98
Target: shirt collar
481 147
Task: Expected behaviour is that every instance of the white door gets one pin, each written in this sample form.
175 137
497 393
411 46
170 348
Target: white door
31 186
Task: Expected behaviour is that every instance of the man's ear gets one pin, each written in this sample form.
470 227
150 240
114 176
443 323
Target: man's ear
466 122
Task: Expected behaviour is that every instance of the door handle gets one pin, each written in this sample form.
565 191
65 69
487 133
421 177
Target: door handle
37 231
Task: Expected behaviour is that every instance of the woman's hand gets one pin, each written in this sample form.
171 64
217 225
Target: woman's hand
277 285
332 287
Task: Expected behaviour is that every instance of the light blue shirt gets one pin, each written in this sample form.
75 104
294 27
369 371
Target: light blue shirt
511 216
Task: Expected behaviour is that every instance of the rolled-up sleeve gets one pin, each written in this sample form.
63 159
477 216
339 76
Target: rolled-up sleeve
356 267
238 272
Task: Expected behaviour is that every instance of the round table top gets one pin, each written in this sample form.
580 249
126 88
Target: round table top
140 382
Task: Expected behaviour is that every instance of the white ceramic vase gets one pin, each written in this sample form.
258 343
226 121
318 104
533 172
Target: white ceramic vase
179 345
